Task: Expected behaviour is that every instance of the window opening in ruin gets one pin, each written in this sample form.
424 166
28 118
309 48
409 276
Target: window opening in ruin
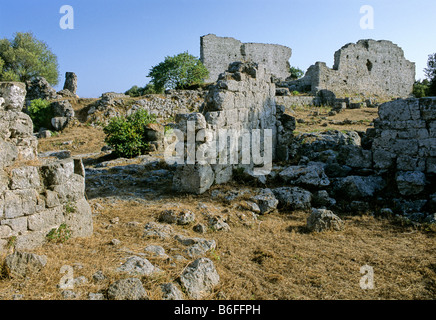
369 65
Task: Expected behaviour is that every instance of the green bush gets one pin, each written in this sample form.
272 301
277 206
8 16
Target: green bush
40 113
136 91
178 72
126 135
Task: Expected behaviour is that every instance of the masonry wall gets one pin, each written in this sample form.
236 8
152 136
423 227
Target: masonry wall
36 195
217 53
368 68
241 100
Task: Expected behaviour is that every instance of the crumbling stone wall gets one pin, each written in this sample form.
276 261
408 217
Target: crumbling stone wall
164 106
36 195
367 68
405 142
242 101
217 53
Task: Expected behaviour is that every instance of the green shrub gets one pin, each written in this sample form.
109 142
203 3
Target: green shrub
40 113
59 235
136 91
126 135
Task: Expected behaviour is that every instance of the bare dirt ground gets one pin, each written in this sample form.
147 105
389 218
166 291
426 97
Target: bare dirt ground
269 257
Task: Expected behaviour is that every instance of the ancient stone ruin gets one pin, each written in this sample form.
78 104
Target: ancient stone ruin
367 68
217 53
242 101
71 82
36 194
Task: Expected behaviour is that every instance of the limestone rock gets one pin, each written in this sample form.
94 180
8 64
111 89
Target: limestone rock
139 266
14 94
127 289
322 219
39 88
21 264
193 178
71 82
171 292
293 198
410 182
199 278
266 201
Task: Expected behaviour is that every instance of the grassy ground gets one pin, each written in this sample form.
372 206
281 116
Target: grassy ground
273 257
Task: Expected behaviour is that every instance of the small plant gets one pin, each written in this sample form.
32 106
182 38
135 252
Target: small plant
11 242
295 93
40 113
70 208
215 255
59 235
126 135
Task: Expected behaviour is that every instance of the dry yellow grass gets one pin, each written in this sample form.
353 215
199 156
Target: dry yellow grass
273 258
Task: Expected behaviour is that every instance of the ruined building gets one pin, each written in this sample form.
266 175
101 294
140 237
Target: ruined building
217 53
368 68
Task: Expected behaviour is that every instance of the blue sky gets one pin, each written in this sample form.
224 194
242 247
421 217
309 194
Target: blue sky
115 43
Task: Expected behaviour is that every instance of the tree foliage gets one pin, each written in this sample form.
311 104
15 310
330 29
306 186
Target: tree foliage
421 88
296 73
430 72
24 57
178 72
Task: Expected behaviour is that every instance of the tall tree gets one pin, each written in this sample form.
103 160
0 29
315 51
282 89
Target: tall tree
178 72
430 73
24 57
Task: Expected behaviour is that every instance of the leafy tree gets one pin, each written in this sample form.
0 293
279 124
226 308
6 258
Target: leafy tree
421 88
178 72
296 73
430 72
24 57
126 135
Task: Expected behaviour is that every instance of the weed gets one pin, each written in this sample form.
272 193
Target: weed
59 235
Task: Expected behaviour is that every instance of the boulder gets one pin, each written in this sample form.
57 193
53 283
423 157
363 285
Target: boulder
127 289
266 201
410 182
39 88
357 187
199 278
139 266
293 198
322 219
312 175
171 292
195 179
13 94
21 264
